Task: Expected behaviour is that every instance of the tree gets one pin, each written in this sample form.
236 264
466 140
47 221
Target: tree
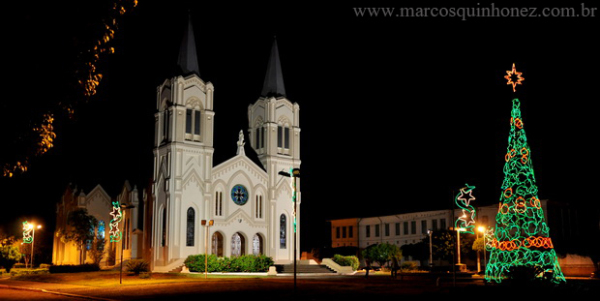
9 253
382 253
521 237
80 229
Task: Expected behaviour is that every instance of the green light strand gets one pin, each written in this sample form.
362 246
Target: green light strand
27 238
466 222
115 233
521 237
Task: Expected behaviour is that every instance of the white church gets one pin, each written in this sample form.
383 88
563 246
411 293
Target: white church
241 206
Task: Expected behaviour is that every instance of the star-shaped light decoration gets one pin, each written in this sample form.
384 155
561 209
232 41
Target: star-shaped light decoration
116 214
466 196
509 76
466 221
115 233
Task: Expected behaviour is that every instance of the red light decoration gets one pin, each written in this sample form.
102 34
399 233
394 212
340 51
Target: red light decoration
509 76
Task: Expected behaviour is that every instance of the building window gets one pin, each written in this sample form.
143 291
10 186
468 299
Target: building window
257 244
259 207
217 244
188 121
443 224
387 229
166 123
283 139
397 229
405 228
197 122
343 232
350 231
413 227
337 232
192 124
282 232
101 230
191 216
238 245
368 231
424 227
163 240
377 230
218 203
434 224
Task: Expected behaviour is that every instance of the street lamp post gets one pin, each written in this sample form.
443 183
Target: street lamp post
294 173
482 230
458 230
124 207
33 240
430 232
206 224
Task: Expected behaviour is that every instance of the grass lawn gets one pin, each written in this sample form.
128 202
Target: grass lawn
111 278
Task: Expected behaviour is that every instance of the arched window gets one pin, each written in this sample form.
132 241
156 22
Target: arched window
192 124
238 245
257 245
217 244
282 231
101 230
191 217
283 139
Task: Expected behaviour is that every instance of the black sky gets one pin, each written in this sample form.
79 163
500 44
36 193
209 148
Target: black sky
396 113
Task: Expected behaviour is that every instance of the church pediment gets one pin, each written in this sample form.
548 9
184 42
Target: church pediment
98 194
240 163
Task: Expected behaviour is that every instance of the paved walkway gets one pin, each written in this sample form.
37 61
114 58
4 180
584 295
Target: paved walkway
355 287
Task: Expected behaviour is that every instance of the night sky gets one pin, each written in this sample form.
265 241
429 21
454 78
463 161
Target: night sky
397 114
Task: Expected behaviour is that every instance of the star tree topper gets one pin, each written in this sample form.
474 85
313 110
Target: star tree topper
513 73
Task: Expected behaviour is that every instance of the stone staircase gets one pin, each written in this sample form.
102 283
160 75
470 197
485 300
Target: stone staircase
303 269
176 270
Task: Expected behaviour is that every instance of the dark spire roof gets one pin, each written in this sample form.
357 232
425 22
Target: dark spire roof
188 57
273 86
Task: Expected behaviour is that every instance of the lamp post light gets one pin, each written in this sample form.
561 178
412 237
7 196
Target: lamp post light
482 230
430 232
124 207
458 230
294 173
32 228
206 224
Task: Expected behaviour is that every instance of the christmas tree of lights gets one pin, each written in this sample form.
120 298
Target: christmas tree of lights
521 237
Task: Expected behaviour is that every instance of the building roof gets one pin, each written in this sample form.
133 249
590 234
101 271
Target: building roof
188 56
273 85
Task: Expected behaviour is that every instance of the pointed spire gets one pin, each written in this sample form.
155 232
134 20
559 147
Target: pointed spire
273 85
188 57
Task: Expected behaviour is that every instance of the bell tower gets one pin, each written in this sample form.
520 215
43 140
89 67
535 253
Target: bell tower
183 154
274 132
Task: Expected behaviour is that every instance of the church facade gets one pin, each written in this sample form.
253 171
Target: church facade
241 206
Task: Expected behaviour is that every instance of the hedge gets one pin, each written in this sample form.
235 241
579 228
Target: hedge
244 263
346 261
88 267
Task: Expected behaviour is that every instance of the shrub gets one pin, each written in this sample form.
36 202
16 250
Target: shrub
246 263
45 266
346 261
23 272
409 266
137 266
69 268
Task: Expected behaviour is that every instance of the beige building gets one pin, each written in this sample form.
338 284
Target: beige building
344 232
98 203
